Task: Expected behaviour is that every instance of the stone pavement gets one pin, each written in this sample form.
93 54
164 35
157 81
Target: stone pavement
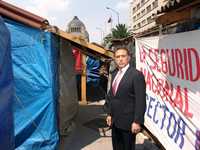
91 132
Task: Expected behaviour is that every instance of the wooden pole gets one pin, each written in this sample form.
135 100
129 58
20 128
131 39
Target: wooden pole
83 80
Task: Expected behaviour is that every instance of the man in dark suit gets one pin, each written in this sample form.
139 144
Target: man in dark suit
125 102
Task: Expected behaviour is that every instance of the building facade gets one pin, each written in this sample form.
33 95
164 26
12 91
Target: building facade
141 14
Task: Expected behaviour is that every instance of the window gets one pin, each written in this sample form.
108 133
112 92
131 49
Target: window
78 29
138 6
142 2
148 8
75 29
143 22
138 15
149 20
134 18
134 27
134 9
143 12
138 25
155 4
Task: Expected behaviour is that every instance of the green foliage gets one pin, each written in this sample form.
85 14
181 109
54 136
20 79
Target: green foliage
120 31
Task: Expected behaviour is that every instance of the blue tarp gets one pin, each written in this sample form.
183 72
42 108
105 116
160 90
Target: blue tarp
93 66
34 59
6 90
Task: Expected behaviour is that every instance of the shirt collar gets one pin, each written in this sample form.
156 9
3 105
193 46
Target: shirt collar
125 68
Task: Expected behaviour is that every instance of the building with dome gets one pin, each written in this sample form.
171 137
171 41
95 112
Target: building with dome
77 27
86 67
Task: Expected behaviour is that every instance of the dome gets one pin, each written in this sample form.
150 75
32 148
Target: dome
75 23
77 27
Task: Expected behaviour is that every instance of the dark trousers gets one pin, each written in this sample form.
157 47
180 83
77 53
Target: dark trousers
122 139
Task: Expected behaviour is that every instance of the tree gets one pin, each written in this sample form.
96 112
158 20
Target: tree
120 31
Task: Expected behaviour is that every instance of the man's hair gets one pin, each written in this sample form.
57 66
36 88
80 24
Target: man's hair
124 48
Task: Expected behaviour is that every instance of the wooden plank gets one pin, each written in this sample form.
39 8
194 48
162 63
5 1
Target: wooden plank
83 81
81 41
174 16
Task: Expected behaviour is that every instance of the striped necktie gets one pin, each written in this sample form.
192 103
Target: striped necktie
116 82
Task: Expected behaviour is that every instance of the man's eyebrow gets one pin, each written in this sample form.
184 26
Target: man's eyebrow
122 55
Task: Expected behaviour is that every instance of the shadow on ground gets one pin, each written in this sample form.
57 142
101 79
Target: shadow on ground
92 133
90 126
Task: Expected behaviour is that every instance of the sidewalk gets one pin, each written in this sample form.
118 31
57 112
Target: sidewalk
91 132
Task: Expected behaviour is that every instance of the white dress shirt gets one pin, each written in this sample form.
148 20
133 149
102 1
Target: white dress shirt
120 73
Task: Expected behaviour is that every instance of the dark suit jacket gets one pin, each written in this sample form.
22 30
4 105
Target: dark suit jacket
129 103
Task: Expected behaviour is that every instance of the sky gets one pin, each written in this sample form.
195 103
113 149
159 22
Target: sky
92 13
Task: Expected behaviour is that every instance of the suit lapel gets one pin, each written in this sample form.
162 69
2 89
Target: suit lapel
114 74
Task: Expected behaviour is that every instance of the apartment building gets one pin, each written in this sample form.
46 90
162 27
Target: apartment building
141 14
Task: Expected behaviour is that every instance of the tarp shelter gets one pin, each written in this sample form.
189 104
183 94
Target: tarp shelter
34 54
68 91
35 76
37 50
34 61
6 90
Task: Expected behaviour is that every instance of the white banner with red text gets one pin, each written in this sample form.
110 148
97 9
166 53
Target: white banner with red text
171 66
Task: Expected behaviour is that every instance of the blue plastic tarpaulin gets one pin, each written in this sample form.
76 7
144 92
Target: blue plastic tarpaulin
6 90
93 66
34 59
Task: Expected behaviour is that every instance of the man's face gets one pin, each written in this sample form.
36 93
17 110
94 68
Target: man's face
121 58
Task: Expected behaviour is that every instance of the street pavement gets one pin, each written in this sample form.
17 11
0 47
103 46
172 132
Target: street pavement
92 133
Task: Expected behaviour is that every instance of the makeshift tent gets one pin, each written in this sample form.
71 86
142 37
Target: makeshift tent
6 90
68 100
34 60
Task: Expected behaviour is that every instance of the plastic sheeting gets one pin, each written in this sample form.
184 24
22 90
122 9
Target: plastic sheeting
93 70
34 59
6 91
68 100
95 89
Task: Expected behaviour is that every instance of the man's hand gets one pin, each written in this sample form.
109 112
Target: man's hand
109 120
135 128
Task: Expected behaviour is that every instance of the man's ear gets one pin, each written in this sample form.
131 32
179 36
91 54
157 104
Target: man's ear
129 57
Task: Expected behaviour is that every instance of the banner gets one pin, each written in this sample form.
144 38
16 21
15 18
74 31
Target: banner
171 66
